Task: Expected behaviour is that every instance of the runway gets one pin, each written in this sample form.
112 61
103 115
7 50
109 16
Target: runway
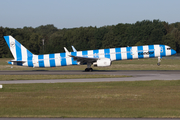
79 72
136 75
85 119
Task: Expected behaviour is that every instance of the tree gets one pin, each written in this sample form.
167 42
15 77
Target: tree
1 43
34 43
169 40
84 38
176 34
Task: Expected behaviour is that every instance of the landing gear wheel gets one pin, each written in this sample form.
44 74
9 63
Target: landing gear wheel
158 64
88 69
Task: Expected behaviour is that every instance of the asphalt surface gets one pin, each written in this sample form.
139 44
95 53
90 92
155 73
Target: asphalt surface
79 72
137 75
83 119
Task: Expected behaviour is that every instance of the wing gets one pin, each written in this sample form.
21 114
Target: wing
83 60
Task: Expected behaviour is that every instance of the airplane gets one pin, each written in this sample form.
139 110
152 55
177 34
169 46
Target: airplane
99 57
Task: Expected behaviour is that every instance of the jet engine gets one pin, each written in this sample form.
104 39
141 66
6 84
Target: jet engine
103 62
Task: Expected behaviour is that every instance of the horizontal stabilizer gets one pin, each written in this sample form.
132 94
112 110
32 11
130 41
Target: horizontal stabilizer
13 62
17 61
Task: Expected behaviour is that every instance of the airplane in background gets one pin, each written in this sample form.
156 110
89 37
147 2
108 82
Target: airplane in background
99 57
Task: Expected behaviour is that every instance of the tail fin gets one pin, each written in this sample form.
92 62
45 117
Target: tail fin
19 52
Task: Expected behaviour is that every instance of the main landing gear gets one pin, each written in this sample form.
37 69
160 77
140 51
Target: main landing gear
159 60
89 69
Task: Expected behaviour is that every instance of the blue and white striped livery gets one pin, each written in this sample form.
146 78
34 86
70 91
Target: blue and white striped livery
99 57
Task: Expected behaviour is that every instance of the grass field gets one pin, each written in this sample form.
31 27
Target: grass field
147 99
141 64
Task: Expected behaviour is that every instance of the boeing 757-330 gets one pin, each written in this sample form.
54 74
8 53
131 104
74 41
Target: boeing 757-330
99 57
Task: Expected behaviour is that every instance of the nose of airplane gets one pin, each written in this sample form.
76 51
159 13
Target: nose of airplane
173 52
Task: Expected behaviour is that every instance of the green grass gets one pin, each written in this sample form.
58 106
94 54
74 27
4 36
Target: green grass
141 64
45 77
147 99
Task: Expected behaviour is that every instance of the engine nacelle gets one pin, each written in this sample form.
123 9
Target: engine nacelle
103 62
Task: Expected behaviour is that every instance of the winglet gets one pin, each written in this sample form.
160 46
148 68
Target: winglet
74 50
68 53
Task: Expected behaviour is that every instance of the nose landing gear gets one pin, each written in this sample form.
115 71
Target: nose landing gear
159 60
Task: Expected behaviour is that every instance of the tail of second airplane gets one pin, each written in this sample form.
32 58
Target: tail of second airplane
19 52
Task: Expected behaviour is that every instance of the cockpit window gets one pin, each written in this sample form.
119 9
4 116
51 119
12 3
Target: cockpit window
168 48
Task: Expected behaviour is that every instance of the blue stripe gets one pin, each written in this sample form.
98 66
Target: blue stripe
162 50
96 53
52 60
29 54
73 61
129 52
9 62
84 53
107 53
151 51
118 53
63 59
41 60
140 51
29 59
7 40
18 51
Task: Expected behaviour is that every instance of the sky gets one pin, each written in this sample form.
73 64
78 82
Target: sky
84 13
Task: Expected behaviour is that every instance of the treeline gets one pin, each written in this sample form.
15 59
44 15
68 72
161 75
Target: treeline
84 38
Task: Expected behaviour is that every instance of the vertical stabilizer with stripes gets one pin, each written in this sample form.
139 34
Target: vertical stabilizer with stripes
19 52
